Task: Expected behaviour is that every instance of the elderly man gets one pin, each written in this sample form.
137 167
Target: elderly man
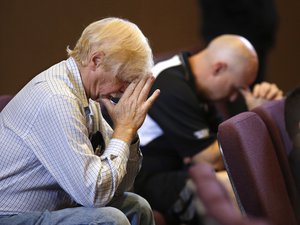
181 126
61 163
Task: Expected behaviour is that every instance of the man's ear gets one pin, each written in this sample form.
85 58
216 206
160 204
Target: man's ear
96 59
219 68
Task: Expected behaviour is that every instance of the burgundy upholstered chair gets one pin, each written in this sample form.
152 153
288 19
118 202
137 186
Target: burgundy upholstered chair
253 168
272 113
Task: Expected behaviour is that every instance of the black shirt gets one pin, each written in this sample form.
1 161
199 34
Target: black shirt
188 123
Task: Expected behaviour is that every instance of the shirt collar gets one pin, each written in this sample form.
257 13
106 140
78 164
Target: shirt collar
78 85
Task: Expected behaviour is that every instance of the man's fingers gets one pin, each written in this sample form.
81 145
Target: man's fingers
134 89
267 91
108 104
259 90
245 92
144 92
274 92
279 95
151 99
130 89
263 90
251 101
248 96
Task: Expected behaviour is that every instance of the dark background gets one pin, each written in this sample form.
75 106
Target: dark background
35 33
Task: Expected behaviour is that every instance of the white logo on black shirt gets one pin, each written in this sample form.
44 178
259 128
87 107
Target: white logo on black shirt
202 133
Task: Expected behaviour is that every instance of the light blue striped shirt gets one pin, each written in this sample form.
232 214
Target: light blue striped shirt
47 161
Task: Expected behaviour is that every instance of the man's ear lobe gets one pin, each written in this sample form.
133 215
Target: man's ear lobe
219 67
96 59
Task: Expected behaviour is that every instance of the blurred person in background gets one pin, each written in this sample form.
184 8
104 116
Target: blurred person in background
180 128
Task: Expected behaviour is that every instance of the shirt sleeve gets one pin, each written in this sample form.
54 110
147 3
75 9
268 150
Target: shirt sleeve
133 167
179 113
59 139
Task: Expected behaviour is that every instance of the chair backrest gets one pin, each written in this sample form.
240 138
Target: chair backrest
4 99
272 113
253 168
212 196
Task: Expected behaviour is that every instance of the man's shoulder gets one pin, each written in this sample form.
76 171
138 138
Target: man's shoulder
166 64
60 80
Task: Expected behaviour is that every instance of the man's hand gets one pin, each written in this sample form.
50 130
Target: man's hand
261 93
130 112
267 91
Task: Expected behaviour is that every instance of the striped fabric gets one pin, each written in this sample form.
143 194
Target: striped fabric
47 161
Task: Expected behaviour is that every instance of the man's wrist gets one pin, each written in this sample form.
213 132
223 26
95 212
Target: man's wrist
126 135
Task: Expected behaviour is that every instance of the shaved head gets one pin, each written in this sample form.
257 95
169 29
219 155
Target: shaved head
237 52
228 64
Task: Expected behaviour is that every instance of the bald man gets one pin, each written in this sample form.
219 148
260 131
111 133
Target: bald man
181 126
